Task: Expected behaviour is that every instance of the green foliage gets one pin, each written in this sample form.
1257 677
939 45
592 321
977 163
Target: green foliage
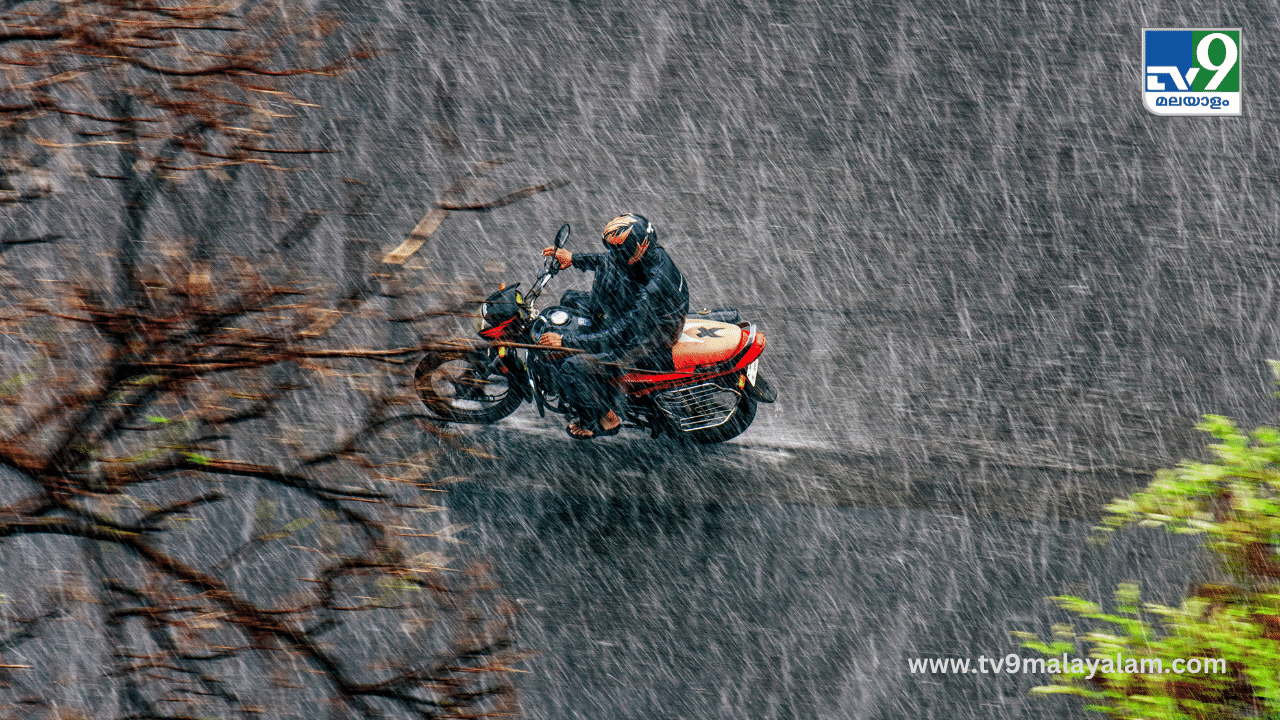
1234 502
264 517
286 530
15 383
12 385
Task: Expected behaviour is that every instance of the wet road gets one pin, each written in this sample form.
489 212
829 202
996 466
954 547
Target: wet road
998 293
662 581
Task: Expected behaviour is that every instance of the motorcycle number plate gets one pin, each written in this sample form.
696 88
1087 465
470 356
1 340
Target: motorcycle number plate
752 369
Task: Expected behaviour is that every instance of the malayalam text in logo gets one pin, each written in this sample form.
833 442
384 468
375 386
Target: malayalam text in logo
1191 71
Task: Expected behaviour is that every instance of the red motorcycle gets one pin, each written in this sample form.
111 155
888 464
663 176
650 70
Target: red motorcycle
711 395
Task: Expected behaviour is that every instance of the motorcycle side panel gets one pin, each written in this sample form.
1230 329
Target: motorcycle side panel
705 342
641 383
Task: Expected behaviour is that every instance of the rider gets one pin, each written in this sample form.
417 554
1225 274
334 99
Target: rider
639 301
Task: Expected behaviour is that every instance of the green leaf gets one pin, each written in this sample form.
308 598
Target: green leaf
263 516
296 525
15 383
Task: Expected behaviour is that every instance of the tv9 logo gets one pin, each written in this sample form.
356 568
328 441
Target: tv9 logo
1191 71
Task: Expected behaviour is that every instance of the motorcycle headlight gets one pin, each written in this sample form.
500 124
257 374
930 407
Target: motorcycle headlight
479 319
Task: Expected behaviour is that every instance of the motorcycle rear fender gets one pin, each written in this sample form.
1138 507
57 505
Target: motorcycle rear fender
762 390
752 346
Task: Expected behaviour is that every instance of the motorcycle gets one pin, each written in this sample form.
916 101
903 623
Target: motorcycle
709 397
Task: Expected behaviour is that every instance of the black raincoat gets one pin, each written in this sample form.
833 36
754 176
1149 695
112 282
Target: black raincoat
637 315
637 310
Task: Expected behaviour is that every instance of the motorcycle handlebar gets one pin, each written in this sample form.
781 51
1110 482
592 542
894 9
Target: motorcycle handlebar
550 267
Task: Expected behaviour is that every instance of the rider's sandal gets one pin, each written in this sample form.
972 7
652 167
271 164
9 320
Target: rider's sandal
593 427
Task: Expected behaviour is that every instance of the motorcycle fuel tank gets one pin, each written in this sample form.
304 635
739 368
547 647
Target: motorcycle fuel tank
565 321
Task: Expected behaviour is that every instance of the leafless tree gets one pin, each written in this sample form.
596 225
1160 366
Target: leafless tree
226 545
122 431
140 92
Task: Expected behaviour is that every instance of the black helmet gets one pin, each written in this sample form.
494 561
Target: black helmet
628 236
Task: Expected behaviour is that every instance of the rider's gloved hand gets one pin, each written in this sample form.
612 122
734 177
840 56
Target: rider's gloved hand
564 257
549 339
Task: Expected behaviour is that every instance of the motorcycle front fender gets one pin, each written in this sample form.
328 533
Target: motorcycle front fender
517 376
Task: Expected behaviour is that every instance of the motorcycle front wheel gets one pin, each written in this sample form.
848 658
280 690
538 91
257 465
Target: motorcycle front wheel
461 387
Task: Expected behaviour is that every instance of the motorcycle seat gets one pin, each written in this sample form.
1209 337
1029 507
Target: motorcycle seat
704 342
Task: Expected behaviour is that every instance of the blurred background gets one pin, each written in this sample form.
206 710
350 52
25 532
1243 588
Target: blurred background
997 293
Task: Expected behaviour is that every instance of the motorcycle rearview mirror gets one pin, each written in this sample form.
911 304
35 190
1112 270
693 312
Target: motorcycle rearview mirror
551 267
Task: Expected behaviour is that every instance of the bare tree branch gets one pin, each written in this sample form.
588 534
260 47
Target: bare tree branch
172 420
505 200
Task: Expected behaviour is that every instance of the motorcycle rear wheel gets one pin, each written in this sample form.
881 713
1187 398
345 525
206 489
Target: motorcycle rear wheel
732 428
459 387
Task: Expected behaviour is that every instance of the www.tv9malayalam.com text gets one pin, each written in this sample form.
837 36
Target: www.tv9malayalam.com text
1013 664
